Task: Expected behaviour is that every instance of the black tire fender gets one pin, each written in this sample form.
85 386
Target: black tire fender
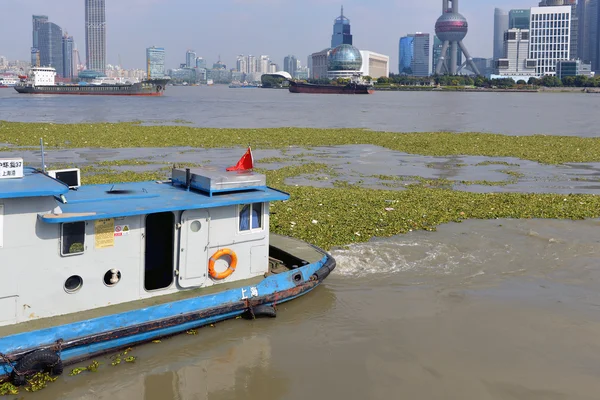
37 361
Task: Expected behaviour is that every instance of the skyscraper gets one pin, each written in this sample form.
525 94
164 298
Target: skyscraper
95 35
421 60
38 21
519 19
589 32
50 41
415 54
290 65
155 61
341 31
406 54
547 46
501 22
67 50
452 28
190 59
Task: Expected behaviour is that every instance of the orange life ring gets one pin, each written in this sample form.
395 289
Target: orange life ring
211 264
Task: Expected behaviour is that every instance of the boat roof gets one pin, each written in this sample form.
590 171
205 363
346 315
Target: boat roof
93 202
33 184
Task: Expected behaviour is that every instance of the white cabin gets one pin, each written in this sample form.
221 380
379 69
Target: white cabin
65 250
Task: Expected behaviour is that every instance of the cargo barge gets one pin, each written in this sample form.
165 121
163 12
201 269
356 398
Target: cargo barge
41 80
356 86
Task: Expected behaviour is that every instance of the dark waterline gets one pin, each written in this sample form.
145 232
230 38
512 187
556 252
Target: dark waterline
572 114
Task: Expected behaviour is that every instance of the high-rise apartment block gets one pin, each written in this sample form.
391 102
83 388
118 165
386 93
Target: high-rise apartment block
263 64
252 65
95 35
155 62
550 37
242 64
341 31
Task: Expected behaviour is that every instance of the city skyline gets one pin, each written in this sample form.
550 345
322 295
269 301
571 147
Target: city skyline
370 29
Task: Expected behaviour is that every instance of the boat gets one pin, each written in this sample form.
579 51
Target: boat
100 268
42 80
8 81
355 86
243 85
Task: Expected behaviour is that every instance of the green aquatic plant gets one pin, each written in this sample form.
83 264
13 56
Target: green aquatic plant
541 148
93 367
7 388
349 213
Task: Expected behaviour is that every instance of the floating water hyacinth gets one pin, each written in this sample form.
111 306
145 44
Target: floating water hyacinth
544 149
348 213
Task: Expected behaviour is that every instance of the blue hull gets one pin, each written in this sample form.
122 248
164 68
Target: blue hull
85 339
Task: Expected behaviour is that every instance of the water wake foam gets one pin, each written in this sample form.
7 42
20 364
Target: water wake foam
416 258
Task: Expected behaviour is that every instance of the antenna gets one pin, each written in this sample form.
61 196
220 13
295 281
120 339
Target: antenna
43 161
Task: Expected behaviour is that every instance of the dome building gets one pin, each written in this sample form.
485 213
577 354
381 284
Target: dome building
343 62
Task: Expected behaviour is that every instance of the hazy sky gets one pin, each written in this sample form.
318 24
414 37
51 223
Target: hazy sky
231 27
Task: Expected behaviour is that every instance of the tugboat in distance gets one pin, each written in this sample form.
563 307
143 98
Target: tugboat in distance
356 86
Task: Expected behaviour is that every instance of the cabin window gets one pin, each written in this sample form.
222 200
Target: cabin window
73 238
251 217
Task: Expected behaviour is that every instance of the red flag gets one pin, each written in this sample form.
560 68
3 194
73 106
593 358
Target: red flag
245 163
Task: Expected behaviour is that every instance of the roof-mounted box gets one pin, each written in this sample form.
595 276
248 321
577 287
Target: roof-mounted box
212 180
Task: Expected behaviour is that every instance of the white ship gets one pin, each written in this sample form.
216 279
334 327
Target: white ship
8 81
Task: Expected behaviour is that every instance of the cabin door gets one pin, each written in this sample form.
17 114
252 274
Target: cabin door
193 264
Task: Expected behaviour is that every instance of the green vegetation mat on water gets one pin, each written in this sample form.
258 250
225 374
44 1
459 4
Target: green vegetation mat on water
544 149
346 213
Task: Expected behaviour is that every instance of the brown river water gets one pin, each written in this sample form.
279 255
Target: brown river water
482 310
479 310
498 309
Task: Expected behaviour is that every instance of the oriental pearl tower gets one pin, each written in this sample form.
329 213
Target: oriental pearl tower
451 28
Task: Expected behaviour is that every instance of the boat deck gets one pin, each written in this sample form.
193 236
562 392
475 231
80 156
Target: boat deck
295 248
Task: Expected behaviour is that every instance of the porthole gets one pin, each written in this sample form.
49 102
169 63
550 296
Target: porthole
73 284
195 226
112 277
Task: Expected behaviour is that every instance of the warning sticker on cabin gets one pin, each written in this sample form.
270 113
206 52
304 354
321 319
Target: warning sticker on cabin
121 230
104 229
